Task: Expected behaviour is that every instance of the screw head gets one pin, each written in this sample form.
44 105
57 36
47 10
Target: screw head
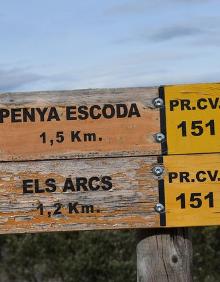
158 102
159 208
160 137
158 170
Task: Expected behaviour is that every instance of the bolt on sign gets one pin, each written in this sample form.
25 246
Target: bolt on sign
110 159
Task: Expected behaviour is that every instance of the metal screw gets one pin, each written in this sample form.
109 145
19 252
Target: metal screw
159 208
158 102
160 137
158 170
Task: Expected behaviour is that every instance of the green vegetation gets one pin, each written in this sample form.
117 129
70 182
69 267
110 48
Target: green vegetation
99 256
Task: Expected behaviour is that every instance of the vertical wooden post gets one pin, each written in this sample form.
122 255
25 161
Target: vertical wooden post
164 255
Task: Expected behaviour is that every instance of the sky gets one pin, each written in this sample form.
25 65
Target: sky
69 44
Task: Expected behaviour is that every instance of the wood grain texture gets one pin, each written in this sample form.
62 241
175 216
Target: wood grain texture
121 135
128 204
164 255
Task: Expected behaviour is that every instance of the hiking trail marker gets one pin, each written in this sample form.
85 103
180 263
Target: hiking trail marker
110 159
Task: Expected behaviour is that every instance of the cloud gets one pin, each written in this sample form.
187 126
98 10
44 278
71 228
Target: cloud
165 34
13 78
129 7
174 32
141 6
22 79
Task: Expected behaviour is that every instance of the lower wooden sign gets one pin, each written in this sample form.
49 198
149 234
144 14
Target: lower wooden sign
109 193
84 194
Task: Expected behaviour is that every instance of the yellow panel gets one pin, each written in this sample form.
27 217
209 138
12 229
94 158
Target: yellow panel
187 175
195 109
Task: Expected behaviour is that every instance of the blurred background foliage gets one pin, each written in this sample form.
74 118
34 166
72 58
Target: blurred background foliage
99 256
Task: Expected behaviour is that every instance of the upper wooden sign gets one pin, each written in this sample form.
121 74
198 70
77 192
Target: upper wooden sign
110 122
85 123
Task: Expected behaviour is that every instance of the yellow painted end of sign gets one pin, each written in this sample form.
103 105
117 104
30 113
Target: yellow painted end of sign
192 118
192 190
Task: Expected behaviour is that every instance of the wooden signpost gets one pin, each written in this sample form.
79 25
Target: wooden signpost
114 159
110 159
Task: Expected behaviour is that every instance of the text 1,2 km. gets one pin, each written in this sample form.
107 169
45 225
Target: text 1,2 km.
73 136
59 209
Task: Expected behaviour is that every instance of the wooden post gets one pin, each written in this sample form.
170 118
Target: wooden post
164 255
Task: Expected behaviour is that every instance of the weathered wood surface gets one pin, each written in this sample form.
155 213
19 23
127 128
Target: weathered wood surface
129 203
109 122
164 255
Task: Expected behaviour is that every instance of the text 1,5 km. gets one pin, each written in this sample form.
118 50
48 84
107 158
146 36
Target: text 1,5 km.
73 136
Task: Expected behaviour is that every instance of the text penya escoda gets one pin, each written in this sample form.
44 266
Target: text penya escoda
82 112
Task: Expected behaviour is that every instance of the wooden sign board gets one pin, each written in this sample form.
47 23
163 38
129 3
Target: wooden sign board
109 122
109 193
112 193
75 124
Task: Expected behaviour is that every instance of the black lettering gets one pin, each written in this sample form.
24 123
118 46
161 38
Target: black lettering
108 111
172 175
27 183
87 209
51 185
16 115
199 104
92 112
214 103
121 110
41 113
53 114
91 184
89 137
107 183
81 182
71 113
58 207
184 176
68 185
75 136
37 186
198 176
28 114
73 207
212 176
173 104
83 112
185 104
4 113
134 111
